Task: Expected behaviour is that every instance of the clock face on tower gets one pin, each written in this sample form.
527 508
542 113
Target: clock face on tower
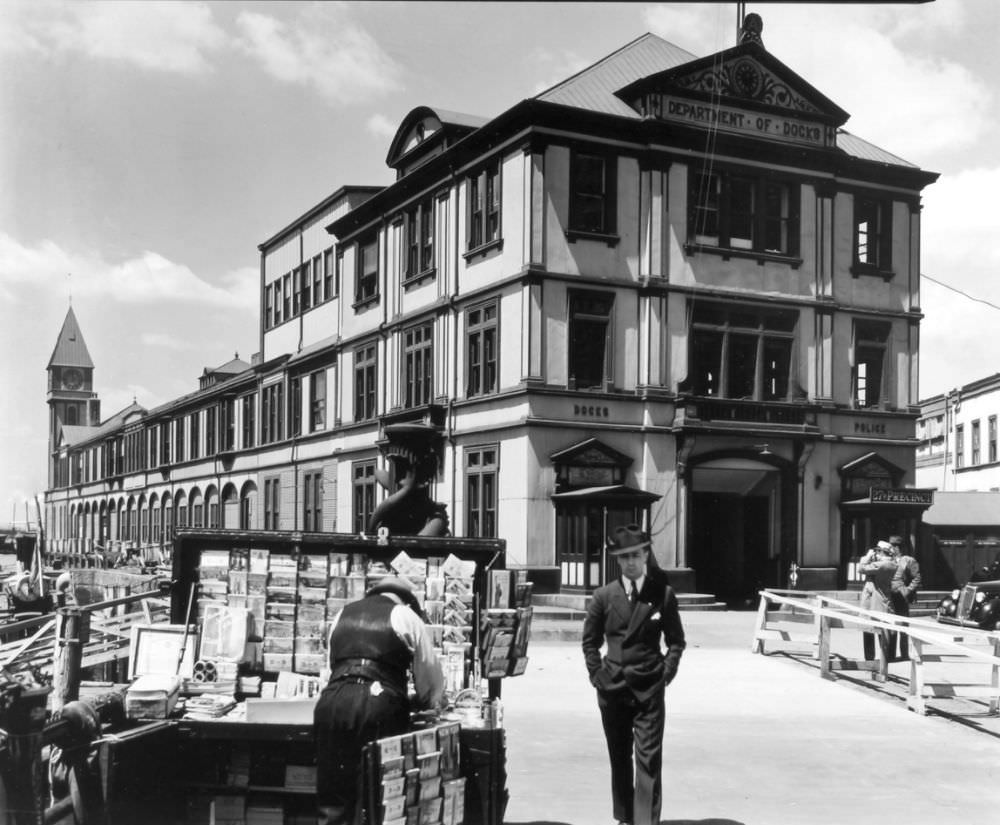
72 379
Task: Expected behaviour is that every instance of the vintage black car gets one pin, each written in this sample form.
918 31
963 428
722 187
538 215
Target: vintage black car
977 604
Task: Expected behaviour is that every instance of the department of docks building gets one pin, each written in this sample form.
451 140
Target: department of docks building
669 289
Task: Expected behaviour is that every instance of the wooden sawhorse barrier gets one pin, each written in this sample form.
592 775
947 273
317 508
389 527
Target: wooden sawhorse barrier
799 617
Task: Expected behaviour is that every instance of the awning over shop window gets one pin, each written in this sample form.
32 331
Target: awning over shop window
964 509
613 492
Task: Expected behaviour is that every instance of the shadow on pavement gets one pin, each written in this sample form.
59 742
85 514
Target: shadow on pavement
713 821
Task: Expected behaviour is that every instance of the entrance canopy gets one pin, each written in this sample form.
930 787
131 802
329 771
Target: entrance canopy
620 493
736 476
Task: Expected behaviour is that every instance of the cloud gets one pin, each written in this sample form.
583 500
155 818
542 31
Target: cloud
149 278
555 67
323 48
162 340
380 126
875 64
159 36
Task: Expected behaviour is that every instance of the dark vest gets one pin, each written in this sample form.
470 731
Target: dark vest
364 646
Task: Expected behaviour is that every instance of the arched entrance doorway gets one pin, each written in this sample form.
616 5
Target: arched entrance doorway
735 526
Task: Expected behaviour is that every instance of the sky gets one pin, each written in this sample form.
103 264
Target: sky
147 148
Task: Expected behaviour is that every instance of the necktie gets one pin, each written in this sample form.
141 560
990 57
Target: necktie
633 594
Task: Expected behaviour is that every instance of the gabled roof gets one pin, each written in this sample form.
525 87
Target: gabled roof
72 435
594 88
233 367
71 349
746 73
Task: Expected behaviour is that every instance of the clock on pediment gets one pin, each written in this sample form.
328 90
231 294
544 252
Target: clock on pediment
72 378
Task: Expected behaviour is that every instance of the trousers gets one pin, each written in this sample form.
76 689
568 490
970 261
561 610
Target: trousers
348 716
634 728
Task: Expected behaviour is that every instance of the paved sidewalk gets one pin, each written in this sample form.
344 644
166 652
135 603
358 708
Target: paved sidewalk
750 740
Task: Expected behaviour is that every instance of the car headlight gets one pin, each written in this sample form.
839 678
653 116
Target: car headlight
955 593
980 597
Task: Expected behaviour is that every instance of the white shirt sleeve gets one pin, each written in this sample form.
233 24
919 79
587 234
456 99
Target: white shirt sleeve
428 678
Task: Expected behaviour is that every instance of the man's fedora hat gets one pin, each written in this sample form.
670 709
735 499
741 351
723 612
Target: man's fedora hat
627 538
399 587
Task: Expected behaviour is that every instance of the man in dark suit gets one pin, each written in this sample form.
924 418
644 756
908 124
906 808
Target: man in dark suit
632 614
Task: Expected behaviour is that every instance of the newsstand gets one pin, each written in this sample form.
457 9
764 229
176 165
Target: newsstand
246 650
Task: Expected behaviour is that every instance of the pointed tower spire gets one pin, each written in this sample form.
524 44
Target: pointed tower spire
71 349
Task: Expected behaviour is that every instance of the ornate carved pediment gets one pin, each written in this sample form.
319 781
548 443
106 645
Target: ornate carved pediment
745 78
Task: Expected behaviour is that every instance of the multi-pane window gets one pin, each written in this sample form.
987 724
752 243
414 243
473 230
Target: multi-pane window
418 365
481 492
592 193
269 306
484 207
272 503
305 276
182 514
959 445
249 410
331 273
367 271
312 502
179 438
481 337
992 438
272 412
589 338
365 375
211 427
228 435
363 480
156 525
278 301
317 401
195 448
743 211
317 272
740 353
871 343
295 406
213 513
420 239
872 233
286 301
296 290
975 454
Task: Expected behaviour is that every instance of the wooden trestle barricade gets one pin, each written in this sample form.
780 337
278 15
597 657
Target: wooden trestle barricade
803 618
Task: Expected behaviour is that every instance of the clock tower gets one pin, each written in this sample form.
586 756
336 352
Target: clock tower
71 397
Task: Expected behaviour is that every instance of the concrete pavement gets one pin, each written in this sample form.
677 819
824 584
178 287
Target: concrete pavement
750 740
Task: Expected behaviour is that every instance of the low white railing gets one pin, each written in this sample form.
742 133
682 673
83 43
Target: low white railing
796 617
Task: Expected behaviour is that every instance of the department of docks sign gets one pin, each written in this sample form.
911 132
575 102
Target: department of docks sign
880 495
743 122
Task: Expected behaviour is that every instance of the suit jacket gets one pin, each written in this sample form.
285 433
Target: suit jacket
634 659
906 581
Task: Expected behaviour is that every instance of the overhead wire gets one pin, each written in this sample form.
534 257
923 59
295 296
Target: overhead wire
959 291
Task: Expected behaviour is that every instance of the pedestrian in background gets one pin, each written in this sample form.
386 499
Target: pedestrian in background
638 617
878 566
905 584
